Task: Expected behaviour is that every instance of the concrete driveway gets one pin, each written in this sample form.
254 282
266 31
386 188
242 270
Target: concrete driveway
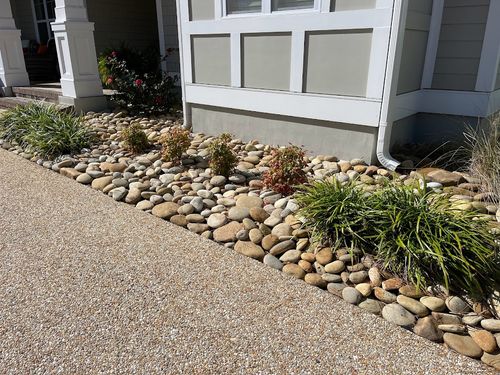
88 286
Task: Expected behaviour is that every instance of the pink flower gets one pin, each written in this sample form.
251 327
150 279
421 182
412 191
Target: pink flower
138 82
114 54
110 80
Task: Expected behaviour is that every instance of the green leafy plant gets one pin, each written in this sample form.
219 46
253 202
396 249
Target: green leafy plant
141 88
223 159
134 138
417 235
45 129
286 170
175 142
334 212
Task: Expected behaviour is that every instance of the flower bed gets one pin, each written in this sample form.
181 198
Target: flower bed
240 213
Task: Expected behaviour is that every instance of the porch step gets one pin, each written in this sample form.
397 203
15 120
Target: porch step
47 94
14 101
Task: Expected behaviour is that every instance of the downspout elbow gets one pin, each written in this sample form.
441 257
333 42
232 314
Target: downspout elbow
383 154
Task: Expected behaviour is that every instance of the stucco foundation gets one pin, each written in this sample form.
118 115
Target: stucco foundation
346 141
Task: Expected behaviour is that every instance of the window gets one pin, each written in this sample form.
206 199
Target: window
44 14
292 4
243 6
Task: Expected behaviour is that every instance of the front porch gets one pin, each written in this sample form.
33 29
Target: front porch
72 43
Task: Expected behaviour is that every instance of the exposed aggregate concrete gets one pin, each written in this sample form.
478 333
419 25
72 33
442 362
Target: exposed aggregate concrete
89 285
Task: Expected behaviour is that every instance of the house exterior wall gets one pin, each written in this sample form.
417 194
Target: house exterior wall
322 137
123 21
168 22
288 73
212 59
23 16
328 72
116 21
460 44
201 10
266 60
497 85
414 45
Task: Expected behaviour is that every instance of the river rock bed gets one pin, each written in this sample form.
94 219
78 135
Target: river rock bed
240 213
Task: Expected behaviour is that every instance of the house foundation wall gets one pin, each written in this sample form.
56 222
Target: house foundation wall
346 141
433 128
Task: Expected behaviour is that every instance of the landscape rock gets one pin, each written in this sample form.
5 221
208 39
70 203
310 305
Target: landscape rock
397 314
427 327
463 344
413 306
249 249
227 233
485 340
351 295
273 262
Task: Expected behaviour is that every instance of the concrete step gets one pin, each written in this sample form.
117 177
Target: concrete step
14 101
48 94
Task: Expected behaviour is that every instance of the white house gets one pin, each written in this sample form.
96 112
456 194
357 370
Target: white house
348 77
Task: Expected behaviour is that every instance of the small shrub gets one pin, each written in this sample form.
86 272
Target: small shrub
141 87
45 129
134 138
223 159
334 212
419 236
175 142
286 170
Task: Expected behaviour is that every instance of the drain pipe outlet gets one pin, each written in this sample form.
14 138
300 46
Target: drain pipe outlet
383 154
399 12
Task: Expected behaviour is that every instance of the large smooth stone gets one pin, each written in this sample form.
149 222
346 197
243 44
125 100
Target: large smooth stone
413 306
426 327
492 325
397 314
101 182
463 344
227 233
351 295
248 201
433 303
273 262
165 210
249 249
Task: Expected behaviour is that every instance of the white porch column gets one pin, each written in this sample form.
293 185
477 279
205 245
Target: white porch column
74 36
12 66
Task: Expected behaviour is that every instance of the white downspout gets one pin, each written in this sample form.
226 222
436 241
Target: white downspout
186 108
390 84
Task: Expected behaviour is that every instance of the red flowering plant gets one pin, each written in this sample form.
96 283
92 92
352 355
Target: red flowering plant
140 85
286 169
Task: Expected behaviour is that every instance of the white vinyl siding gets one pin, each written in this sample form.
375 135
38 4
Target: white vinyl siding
460 44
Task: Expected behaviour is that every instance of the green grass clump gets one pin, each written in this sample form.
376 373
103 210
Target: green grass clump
334 212
418 235
44 129
134 139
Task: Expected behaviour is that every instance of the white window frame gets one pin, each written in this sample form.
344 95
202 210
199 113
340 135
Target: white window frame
267 9
46 20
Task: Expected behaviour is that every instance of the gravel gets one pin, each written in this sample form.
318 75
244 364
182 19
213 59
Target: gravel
93 285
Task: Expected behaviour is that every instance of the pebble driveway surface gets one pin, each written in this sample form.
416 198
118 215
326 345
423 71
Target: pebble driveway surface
89 285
